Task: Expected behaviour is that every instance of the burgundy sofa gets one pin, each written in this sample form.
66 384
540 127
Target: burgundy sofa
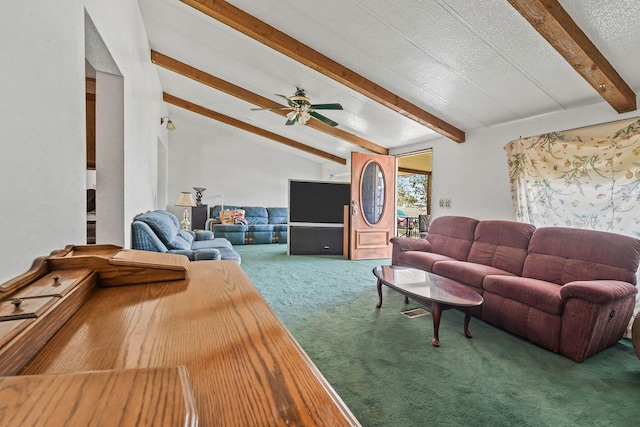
569 290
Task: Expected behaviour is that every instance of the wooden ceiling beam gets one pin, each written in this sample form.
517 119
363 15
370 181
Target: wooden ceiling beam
413 171
255 99
264 33
553 22
178 102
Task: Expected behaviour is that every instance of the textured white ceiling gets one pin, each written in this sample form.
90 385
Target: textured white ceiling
472 63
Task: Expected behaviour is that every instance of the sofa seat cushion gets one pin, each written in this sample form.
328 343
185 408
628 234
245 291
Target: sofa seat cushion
230 228
216 243
278 215
420 260
469 273
280 227
539 294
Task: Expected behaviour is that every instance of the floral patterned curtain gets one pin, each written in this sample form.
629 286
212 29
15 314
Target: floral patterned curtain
573 181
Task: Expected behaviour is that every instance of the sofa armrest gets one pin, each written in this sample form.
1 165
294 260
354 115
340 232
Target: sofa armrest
143 238
209 223
595 316
185 252
204 235
597 291
206 254
410 244
401 244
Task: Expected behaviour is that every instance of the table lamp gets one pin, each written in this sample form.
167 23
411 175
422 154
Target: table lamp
185 200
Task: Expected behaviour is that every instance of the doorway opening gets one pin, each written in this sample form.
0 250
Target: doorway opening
105 141
413 194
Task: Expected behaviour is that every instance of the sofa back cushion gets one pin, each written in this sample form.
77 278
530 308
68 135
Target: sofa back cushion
562 255
278 215
501 244
452 236
256 215
182 241
164 224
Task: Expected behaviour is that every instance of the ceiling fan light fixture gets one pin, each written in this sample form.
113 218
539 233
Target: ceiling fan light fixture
302 109
303 117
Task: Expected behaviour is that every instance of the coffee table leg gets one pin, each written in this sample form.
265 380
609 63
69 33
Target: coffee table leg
379 294
436 312
467 317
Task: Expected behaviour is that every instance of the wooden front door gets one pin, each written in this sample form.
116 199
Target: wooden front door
372 210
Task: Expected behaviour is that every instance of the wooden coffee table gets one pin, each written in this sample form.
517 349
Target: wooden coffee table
437 292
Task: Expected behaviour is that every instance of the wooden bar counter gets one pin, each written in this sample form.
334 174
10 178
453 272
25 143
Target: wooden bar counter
243 365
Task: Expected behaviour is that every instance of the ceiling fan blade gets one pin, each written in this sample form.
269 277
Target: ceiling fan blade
326 106
272 109
323 118
290 102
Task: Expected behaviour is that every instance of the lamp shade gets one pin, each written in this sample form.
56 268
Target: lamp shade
185 199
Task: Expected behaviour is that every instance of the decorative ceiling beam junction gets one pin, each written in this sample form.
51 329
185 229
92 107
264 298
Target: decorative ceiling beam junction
550 19
277 40
255 99
178 102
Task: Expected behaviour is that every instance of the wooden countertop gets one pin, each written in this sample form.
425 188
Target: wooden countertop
244 366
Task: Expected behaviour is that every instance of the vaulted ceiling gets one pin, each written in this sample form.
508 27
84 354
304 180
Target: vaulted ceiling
406 72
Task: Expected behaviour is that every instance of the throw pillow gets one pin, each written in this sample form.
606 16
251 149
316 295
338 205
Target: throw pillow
239 217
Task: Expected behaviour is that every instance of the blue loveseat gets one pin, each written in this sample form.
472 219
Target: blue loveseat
159 231
264 225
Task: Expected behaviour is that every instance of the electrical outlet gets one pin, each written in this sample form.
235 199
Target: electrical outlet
445 203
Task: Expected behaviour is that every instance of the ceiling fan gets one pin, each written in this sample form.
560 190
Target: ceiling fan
302 109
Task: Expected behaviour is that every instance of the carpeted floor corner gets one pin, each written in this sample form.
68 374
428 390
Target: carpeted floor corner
383 365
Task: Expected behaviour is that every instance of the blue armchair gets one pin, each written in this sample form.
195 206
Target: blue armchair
159 231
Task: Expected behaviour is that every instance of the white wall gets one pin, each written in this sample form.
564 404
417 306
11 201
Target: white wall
42 153
243 167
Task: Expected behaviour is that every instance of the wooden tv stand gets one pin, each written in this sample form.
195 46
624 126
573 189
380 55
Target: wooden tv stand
207 342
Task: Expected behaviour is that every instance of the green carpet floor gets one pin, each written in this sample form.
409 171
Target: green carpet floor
386 370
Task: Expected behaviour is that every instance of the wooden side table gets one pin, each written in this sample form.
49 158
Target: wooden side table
199 215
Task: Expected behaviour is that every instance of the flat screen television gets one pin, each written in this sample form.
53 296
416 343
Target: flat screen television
318 201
